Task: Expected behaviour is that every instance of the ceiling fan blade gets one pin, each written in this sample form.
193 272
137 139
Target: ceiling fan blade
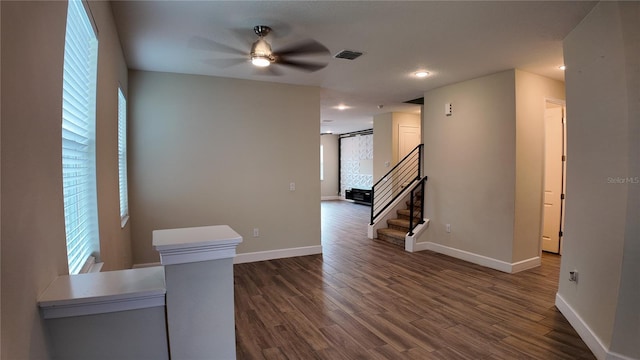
201 43
304 48
225 63
301 65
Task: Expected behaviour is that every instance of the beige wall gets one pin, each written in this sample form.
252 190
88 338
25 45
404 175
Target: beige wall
115 242
470 161
601 223
33 235
385 139
207 151
531 93
331 183
382 145
485 164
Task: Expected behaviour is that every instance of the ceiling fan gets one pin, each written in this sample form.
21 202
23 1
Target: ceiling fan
262 56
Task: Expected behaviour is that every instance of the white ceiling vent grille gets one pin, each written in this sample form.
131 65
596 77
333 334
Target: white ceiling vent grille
348 54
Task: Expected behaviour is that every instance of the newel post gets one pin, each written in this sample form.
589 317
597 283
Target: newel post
198 265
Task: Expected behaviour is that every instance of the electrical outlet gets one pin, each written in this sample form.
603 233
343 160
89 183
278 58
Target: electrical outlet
448 228
573 275
292 186
256 232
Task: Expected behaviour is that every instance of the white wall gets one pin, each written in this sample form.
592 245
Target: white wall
33 235
331 183
210 151
602 206
470 160
356 163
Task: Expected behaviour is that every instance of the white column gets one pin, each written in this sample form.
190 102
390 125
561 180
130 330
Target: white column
199 280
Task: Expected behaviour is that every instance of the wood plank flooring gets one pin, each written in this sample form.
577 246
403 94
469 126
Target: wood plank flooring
366 299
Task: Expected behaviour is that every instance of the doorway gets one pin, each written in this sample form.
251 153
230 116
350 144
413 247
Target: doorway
554 176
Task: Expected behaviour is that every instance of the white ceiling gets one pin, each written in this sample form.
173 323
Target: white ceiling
453 40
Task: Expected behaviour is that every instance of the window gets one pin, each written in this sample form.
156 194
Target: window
78 137
122 158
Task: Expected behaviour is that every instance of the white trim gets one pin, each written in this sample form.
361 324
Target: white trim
146 265
471 257
410 240
187 245
421 246
103 292
96 267
615 356
525 264
479 259
335 197
123 221
588 336
277 254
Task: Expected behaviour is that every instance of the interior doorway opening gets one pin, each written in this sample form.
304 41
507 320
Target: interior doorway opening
554 176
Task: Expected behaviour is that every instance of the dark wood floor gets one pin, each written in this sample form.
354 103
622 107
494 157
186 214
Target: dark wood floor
365 299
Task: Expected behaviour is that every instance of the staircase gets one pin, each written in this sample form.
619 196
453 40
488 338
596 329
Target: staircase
398 228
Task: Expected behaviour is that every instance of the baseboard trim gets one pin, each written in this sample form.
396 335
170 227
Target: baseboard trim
471 257
277 254
590 339
479 259
323 198
526 264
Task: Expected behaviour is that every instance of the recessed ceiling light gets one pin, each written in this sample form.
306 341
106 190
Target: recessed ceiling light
342 107
421 73
562 67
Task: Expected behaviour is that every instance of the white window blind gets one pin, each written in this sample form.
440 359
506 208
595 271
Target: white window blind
122 157
78 137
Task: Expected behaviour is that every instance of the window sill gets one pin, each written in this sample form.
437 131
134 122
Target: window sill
123 221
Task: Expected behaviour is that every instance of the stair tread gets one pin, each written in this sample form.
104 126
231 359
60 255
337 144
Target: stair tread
399 222
407 212
393 233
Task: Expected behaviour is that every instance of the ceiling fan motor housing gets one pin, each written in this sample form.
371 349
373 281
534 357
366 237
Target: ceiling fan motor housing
262 50
261 30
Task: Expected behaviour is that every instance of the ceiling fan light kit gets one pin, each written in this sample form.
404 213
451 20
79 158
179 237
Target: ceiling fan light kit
261 54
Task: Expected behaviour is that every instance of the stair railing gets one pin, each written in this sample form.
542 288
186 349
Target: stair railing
390 186
412 205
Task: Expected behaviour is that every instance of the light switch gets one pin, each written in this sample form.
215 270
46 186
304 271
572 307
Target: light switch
447 109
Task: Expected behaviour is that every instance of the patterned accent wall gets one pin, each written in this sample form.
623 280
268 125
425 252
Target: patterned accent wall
356 162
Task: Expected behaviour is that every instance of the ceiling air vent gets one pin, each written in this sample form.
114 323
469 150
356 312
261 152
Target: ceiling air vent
348 54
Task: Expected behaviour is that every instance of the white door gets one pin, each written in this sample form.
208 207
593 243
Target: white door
553 181
408 139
